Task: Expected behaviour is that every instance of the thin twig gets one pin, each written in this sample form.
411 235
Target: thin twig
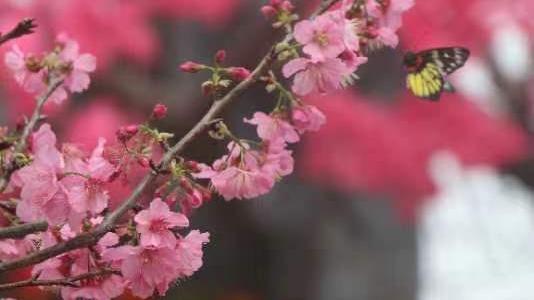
69 282
20 231
24 27
87 239
22 142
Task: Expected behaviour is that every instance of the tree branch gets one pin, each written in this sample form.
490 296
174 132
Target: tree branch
87 239
22 142
70 282
24 27
20 231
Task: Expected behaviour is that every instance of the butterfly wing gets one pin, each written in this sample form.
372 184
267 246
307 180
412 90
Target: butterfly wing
447 59
429 67
427 82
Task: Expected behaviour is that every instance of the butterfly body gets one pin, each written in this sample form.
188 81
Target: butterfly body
428 69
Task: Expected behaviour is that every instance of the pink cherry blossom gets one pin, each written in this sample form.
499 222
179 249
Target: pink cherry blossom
16 61
81 64
390 12
48 270
278 161
85 186
312 77
239 174
322 37
145 269
190 253
11 248
389 19
273 128
44 148
307 118
34 73
42 196
154 223
190 200
349 28
101 288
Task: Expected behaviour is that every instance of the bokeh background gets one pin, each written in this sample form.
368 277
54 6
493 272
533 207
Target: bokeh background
396 198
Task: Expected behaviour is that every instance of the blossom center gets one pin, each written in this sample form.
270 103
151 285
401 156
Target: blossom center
158 225
321 38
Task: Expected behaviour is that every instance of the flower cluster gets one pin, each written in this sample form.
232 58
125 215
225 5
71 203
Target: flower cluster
68 189
335 42
246 173
34 72
143 243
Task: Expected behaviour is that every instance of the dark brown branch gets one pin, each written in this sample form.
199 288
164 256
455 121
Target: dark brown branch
70 282
24 27
87 239
20 231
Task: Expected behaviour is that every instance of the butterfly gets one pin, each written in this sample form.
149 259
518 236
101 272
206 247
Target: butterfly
427 70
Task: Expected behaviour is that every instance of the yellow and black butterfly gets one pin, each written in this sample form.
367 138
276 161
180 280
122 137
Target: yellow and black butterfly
427 70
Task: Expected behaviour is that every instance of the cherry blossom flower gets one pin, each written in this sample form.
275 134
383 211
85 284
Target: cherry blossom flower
85 186
278 161
389 19
48 269
312 77
11 248
307 118
81 64
34 73
322 37
190 253
154 223
145 269
190 200
238 174
42 197
272 128
105 287
18 62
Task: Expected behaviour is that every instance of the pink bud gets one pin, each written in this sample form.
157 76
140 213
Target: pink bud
159 111
220 56
132 129
276 3
126 132
287 6
268 11
238 73
186 185
191 67
192 165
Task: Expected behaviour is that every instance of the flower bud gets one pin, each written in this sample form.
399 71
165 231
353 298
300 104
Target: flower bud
238 73
287 6
186 185
220 56
125 133
132 129
192 165
159 111
268 11
191 67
